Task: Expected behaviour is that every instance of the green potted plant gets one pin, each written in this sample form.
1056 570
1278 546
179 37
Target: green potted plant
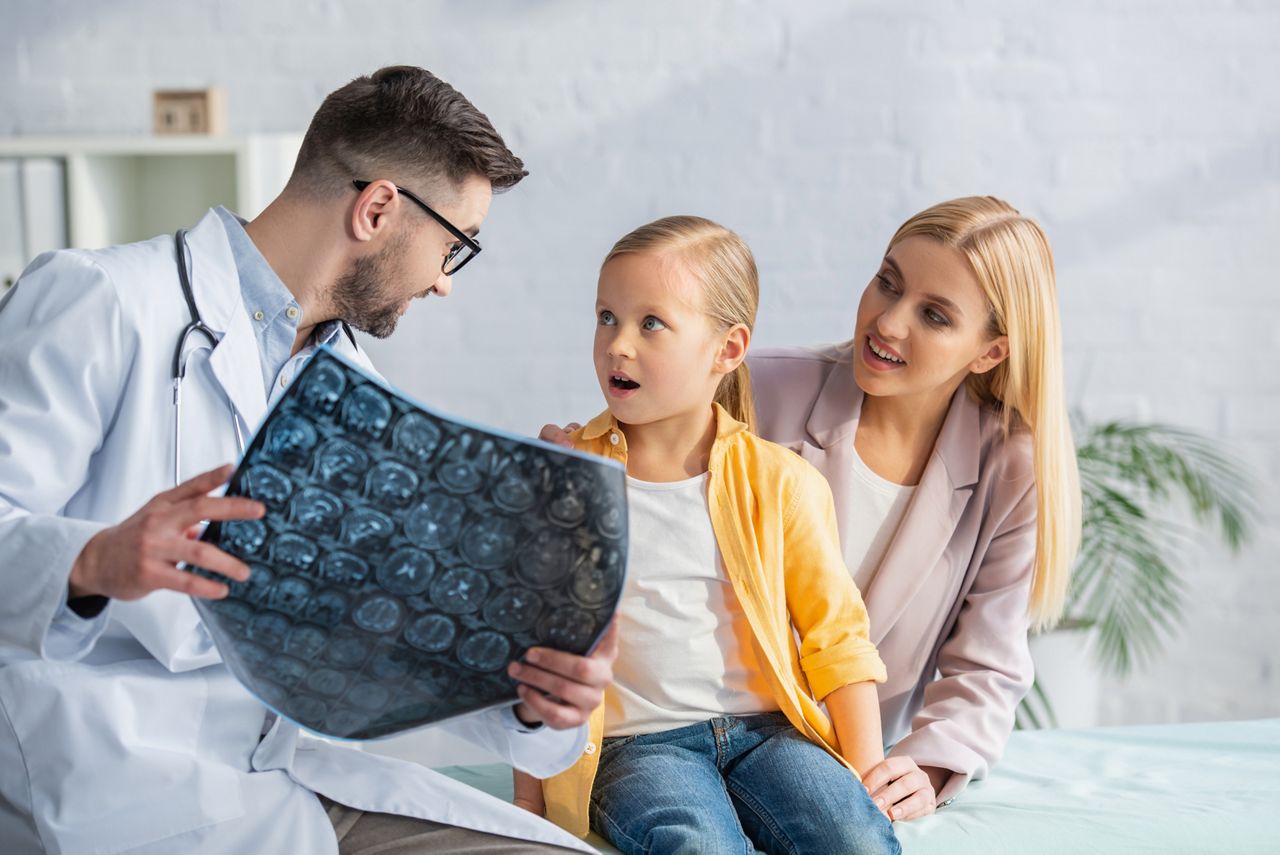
1147 489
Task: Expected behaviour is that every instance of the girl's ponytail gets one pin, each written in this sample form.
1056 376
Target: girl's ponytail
734 395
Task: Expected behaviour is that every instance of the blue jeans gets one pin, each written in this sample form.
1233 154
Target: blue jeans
731 785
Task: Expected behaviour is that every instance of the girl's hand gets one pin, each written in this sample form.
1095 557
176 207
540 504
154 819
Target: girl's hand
558 435
902 790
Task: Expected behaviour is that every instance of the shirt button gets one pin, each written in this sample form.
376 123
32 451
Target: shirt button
257 316
614 439
591 748
292 312
283 381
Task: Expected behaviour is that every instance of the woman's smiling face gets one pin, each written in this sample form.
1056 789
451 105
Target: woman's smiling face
924 324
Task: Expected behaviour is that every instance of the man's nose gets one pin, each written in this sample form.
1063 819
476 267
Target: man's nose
443 285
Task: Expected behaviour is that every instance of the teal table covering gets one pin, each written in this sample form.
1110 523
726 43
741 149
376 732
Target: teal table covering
1181 788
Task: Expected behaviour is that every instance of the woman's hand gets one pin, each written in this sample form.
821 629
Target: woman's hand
902 790
558 435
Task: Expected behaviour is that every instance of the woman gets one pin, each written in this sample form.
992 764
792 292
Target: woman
942 428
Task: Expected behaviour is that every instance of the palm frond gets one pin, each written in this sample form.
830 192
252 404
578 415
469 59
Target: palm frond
1127 583
1036 711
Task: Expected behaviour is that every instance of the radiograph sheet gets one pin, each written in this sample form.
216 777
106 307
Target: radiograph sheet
406 557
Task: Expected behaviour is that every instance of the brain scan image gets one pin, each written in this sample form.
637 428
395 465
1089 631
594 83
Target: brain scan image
366 411
406 558
340 464
416 438
268 485
436 523
289 439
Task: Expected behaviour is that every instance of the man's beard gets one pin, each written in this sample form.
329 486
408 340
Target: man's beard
360 297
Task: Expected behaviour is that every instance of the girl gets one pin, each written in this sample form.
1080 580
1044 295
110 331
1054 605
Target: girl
942 429
740 618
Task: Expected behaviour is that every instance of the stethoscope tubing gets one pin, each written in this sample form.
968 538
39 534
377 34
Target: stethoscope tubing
195 327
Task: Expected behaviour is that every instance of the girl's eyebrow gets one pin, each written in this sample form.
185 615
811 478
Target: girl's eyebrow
936 298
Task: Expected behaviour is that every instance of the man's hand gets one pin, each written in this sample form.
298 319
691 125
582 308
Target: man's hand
575 684
558 435
902 790
141 554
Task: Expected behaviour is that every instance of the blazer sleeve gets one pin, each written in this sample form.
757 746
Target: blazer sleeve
825 605
985 664
63 358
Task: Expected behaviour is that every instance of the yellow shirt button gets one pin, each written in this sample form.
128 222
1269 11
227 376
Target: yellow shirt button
591 748
257 316
614 439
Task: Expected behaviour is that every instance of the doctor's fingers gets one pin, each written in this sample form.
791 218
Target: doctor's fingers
555 714
194 510
199 485
162 575
204 555
570 689
594 671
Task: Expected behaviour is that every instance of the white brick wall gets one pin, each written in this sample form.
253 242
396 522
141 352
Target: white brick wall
1144 135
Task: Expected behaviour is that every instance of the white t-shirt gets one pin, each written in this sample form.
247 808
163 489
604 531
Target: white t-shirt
877 506
685 650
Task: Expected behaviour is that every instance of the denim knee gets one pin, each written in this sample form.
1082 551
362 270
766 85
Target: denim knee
869 836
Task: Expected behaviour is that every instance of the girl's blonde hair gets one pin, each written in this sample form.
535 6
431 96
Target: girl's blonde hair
1011 257
723 264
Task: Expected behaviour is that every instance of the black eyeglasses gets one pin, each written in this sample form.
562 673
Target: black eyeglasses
460 253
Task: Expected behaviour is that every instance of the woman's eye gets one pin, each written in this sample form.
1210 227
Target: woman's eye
936 318
885 285
606 319
652 324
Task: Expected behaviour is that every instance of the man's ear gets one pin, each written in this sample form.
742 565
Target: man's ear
733 349
369 216
997 351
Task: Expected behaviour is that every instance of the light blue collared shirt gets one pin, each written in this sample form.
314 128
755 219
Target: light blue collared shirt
274 314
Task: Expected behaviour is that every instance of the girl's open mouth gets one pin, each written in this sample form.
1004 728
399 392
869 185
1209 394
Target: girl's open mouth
623 382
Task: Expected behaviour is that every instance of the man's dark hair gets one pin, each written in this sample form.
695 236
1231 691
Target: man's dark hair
404 124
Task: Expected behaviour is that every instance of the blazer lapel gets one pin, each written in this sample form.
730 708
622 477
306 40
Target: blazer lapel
917 557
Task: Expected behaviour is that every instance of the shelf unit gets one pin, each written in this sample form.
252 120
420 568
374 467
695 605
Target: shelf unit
121 189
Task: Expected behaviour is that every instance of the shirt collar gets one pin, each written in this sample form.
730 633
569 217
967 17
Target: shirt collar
726 425
260 287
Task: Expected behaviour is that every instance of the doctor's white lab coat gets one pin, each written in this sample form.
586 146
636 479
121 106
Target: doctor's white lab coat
126 732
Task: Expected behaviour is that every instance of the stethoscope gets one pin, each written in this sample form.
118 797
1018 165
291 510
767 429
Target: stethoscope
197 327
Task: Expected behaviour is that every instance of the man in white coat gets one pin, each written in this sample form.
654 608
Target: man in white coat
120 728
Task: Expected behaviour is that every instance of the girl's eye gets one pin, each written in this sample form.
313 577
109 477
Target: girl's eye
936 318
652 324
885 285
606 319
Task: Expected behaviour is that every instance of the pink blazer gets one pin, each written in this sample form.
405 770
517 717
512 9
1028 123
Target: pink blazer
948 603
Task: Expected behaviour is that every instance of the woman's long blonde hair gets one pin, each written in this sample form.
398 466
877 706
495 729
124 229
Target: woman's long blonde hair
722 262
1011 257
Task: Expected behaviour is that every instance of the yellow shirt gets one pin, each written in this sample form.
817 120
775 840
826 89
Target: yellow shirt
775 524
